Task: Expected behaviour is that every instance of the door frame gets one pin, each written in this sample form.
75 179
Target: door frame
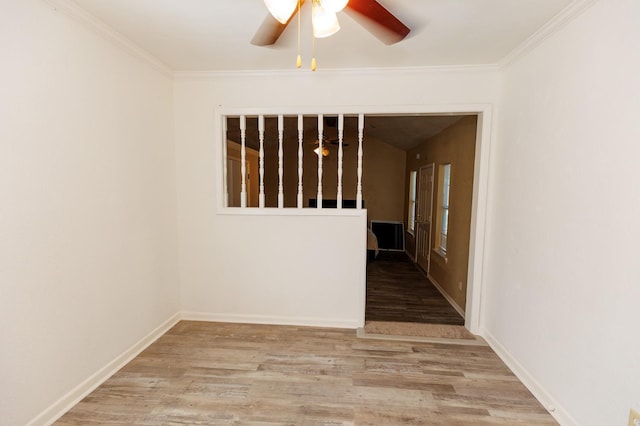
476 280
476 277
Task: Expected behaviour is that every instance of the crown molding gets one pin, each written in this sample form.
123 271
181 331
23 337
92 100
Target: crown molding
71 9
566 15
195 75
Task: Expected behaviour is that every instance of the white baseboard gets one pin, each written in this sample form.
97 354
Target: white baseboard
561 415
64 404
275 320
446 296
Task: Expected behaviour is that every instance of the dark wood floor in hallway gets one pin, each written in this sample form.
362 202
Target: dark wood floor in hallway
398 291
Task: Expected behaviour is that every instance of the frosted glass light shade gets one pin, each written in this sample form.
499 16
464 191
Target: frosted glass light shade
325 22
334 6
281 9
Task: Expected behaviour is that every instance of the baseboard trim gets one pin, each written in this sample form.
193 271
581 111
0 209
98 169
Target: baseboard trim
554 408
66 402
267 319
446 296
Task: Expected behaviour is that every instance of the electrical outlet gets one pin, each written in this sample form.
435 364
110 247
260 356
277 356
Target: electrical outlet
634 418
460 285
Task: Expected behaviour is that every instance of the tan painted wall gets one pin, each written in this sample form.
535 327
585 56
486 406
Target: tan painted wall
454 145
384 181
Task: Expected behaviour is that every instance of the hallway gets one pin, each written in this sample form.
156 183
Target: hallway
398 291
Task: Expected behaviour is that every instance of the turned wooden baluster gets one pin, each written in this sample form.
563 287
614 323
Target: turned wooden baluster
261 136
340 137
280 162
300 154
243 166
360 136
320 131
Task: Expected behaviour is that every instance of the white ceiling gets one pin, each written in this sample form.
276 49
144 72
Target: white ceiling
214 35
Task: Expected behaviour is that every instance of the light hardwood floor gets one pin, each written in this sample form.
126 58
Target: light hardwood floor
242 374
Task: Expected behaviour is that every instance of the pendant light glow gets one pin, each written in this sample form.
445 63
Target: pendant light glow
325 22
325 151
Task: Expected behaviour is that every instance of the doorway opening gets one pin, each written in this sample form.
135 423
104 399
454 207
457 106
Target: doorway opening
429 282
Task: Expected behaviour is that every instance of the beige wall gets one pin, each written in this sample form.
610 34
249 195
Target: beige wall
454 145
384 181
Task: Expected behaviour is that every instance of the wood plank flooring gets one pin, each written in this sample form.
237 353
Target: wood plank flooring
398 291
243 374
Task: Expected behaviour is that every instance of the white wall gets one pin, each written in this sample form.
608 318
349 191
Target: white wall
563 269
87 206
300 270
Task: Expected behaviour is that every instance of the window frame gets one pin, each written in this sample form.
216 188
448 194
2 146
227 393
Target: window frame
413 193
444 209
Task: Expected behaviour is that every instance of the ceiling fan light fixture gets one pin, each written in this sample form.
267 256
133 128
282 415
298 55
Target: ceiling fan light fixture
325 22
281 9
325 151
334 6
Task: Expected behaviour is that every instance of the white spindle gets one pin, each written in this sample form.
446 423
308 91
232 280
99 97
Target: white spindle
280 161
261 136
224 162
243 165
340 136
300 154
320 132
360 136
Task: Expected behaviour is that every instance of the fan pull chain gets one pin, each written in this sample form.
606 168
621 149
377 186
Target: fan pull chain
299 59
313 52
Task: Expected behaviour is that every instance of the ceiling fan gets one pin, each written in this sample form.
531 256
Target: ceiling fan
326 144
369 13
331 126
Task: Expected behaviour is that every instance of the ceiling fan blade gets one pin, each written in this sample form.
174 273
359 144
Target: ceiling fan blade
271 29
378 20
268 32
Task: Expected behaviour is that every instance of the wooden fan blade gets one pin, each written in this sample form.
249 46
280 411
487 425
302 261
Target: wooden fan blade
268 32
271 29
378 20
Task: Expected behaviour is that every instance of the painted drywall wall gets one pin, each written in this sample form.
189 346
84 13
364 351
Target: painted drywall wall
563 270
383 177
214 284
456 146
283 270
87 206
